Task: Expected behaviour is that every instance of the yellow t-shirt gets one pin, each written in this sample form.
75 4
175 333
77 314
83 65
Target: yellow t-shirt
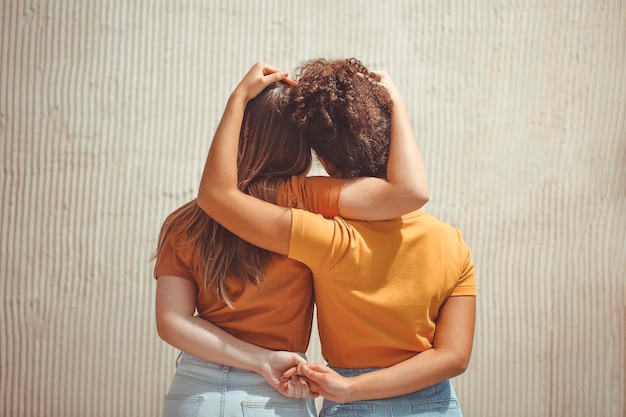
379 285
278 313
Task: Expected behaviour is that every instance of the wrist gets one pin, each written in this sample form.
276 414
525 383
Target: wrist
238 98
262 363
352 391
398 103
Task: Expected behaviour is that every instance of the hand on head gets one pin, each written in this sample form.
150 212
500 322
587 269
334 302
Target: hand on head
257 78
385 80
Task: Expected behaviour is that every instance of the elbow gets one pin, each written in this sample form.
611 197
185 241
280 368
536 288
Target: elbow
161 329
420 197
416 191
461 367
456 361
164 327
423 199
460 364
207 198
202 201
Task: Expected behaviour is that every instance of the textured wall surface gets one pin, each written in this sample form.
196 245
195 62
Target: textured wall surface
107 109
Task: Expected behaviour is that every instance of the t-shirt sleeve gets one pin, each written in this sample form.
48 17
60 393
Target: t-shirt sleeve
315 194
169 262
317 242
466 284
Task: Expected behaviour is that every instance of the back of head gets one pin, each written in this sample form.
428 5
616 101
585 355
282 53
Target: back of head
270 145
271 149
344 115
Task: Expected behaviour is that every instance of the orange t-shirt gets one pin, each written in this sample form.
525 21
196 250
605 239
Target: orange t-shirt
379 285
278 313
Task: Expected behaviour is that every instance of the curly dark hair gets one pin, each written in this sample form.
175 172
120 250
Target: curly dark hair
344 115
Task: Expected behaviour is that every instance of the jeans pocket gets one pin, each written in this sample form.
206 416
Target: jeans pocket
182 406
436 406
273 409
353 409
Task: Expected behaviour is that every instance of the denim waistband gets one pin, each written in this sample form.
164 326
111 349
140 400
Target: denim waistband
188 358
348 372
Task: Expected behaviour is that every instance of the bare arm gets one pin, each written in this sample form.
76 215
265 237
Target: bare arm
448 358
177 325
406 186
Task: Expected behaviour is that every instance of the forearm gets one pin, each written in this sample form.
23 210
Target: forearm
220 171
406 167
422 371
206 341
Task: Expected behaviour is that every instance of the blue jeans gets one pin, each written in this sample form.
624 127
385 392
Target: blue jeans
203 388
437 400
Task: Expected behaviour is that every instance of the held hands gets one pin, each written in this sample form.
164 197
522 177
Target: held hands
273 368
323 381
258 77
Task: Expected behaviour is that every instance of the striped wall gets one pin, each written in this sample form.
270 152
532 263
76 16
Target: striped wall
107 109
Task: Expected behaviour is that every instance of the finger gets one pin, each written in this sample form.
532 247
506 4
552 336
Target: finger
294 389
270 70
302 367
318 367
376 76
290 81
297 390
267 68
289 373
311 375
305 388
275 76
286 389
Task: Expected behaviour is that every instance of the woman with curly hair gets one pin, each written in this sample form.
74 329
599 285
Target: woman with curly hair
242 315
395 298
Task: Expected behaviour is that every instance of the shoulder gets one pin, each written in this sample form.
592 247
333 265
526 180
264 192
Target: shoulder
437 228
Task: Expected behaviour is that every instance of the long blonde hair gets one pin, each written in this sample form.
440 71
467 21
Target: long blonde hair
270 151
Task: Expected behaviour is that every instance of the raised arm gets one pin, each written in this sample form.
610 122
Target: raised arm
178 326
406 187
448 358
267 225
256 221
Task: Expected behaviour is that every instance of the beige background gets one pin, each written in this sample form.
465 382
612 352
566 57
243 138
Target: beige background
107 109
